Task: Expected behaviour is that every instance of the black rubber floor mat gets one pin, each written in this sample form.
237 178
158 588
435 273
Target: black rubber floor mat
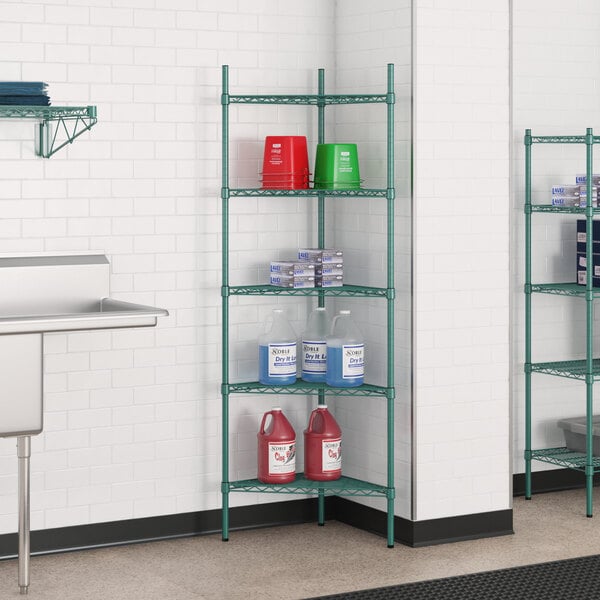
572 579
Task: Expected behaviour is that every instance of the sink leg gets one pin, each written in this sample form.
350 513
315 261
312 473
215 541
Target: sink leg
24 453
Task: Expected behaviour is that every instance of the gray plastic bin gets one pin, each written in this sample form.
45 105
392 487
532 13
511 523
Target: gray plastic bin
575 433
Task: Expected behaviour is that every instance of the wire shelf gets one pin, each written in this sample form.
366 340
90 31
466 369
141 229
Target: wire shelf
573 369
564 457
272 290
548 208
310 99
305 388
46 112
310 192
563 289
562 139
345 486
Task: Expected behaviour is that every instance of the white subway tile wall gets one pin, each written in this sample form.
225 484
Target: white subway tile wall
133 417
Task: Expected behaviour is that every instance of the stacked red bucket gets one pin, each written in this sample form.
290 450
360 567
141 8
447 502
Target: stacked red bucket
285 165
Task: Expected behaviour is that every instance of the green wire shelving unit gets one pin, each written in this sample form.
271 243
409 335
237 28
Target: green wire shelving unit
58 125
586 370
345 486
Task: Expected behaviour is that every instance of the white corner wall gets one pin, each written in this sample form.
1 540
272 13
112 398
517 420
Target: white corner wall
556 91
368 37
461 258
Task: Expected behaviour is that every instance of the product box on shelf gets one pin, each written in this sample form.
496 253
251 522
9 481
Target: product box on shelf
321 255
582 269
575 432
565 190
323 270
582 180
582 236
290 281
285 267
329 281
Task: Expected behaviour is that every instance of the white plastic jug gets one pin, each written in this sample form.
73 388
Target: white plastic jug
314 346
277 352
345 353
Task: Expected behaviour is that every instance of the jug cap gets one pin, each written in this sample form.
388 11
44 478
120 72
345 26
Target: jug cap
276 408
344 312
321 405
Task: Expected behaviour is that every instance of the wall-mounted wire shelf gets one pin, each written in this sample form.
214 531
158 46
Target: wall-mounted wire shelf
59 125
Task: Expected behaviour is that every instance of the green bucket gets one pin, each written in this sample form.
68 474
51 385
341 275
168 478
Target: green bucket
336 167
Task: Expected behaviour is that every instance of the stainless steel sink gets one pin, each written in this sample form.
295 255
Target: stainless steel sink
42 294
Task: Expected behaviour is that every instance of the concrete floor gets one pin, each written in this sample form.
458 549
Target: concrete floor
300 561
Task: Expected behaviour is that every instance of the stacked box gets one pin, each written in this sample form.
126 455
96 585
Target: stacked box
581 252
293 281
573 195
320 255
582 180
329 265
290 267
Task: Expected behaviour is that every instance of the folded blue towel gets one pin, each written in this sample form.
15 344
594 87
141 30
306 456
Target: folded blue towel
30 100
22 88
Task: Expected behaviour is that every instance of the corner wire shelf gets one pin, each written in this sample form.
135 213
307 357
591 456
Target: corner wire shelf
344 290
563 457
303 388
345 486
307 100
353 193
70 123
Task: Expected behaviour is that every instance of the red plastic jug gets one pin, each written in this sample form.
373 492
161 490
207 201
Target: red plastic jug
322 446
276 449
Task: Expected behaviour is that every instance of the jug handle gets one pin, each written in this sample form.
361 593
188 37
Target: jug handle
262 423
313 416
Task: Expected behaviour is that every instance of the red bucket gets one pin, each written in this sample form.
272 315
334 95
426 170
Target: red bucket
285 165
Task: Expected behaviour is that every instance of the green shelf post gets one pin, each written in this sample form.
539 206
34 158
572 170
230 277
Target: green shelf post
528 314
390 99
589 300
321 244
225 302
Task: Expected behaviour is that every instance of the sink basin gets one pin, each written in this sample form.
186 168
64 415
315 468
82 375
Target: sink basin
42 294
64 293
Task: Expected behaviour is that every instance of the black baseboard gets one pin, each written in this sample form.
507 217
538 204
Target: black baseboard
411 533
551 481
429 532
